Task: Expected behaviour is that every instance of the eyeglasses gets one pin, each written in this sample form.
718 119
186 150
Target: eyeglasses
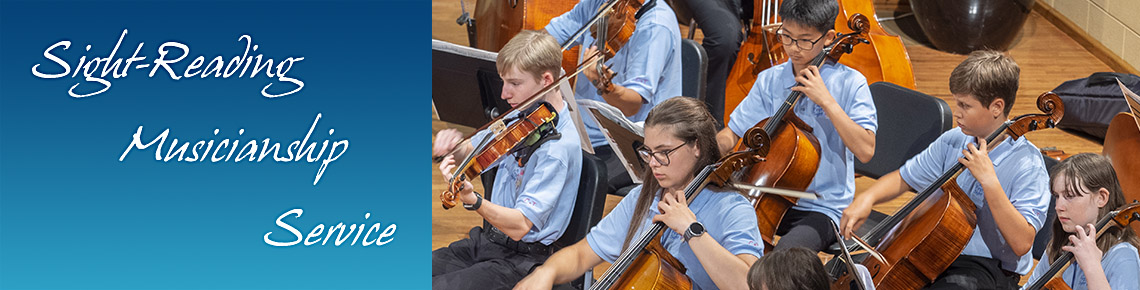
787 40
661 156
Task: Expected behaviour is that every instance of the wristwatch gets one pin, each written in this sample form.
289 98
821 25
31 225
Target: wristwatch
696 229
478 202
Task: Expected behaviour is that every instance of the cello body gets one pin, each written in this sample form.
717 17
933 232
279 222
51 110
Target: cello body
1120 146
792 167
655 269
925 243
884 59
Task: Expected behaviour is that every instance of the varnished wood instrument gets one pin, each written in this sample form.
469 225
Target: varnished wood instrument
503 138
1118 218
796 152
1120 146
928 233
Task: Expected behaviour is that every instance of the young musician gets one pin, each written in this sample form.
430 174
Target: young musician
837 104
646 71
1086 189
714 237
1008 184
535 188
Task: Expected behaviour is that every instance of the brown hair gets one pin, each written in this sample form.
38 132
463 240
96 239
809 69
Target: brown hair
1091 171
987 75
790 269
531 52
690 121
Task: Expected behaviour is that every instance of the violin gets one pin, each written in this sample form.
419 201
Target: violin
505 139
885 60
919 242
645 264
1119 218
797 152
619 25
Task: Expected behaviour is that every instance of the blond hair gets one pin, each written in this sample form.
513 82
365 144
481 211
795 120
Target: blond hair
987 75
531 52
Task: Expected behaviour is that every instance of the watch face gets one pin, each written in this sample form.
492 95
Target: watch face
697 228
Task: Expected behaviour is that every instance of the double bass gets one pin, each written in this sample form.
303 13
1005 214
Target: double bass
885 59
1120 217
496 21
928 233
796 150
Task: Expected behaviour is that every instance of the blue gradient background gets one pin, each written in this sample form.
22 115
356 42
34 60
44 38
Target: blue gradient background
73 217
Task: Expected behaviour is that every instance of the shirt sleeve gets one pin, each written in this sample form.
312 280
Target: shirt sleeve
754 108
925 167
861 109
1120 267
608 236
1029 191
541 193
651 47
740 234
1039 270
564 26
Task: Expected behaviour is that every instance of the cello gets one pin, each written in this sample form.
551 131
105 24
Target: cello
1119 218
928 233
1120 146
885 60
797 150
645 264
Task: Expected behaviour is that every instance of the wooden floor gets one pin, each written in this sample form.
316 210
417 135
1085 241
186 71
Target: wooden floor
1046 55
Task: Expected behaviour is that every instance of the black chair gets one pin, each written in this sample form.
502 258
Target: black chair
908 122
587 207
694 69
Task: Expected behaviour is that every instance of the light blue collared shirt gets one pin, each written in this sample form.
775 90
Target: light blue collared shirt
1021 172
835 179
1121 266
727 216
546 189
649 64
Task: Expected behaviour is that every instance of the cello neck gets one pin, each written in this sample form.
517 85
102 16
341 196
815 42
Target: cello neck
880 230
793 97
631 253
1065 258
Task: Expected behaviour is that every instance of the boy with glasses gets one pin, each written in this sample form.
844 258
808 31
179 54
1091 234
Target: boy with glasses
837 105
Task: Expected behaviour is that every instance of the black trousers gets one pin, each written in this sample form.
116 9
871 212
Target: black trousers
806 229
719 20
478 263
973 272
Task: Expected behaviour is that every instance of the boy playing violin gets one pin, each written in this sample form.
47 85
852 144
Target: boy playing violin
535 188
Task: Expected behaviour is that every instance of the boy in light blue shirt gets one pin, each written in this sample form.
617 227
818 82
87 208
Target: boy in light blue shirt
1008 184
646 71
535 187
837 105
